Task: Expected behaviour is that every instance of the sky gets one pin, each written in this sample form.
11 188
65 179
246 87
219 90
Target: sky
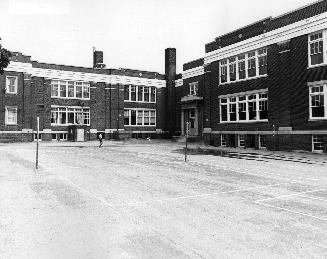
131 33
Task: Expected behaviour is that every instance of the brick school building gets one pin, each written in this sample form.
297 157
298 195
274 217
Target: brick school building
261 86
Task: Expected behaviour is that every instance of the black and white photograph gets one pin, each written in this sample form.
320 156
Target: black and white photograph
163 129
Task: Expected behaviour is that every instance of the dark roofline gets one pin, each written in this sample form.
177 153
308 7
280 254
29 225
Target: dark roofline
268 18
136 70
297 9
243 27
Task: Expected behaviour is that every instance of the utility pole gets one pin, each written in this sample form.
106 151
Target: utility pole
37 142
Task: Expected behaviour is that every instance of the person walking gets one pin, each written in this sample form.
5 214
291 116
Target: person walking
100 140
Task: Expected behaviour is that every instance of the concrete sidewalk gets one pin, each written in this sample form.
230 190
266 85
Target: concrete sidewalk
296 156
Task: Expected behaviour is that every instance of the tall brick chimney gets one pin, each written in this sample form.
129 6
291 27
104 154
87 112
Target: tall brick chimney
98 59
170 72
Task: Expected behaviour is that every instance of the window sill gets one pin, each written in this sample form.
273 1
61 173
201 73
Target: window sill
11 93
227 122
243 80
139 125
318 151
70 98
317 119
127 101
316 66
65 125
11 124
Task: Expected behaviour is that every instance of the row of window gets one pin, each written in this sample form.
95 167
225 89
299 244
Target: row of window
54 136
244 108
254 63
70 116
317 141
318 97
244 66
133 117
70 89
133 93
241 139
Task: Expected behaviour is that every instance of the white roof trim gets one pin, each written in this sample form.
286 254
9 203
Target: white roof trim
82 76
178 82
197 71
303 27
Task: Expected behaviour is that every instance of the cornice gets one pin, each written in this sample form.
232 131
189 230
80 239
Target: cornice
303 27
179 82
197 71
27 68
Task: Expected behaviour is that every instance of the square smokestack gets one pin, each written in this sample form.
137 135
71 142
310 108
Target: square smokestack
98 59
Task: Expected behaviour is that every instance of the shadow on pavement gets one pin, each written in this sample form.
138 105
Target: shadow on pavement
248 155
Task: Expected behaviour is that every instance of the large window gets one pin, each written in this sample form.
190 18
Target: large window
318 97
316 47
244 107
70 115
139 117
140 93
245 66
11 115
70 89
11 84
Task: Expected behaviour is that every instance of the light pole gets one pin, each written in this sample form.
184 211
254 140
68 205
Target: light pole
37 142
187 132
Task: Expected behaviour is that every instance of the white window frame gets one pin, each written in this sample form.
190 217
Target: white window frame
324 94
194 87
223 140
85 111
11 108
139 87
15 85
324 46
67 83
56 137
246 101
62 136
223 67
35 136
225 64
150 89
140 111
322 143
241 138
220 109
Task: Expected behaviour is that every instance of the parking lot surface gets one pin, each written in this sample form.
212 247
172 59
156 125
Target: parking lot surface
140 199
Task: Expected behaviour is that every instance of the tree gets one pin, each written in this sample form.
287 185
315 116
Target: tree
4 58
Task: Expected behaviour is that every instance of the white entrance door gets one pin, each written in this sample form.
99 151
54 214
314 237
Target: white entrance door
80 135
